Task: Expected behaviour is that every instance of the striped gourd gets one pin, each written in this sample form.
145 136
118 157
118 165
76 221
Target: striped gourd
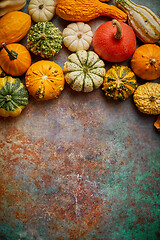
144 22
13 96
119 83
84 71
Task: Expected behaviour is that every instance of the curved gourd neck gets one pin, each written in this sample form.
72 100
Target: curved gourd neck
12 54
126 4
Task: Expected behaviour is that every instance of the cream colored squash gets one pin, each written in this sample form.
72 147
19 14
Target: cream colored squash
7 6
84 71
42 10
77 36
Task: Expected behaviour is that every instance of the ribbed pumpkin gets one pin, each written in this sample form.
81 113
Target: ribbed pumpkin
119 83
13 96
145 62
84 71
44 80
15 59
14 26
44 39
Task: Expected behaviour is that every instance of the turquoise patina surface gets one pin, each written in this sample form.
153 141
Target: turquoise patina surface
80 167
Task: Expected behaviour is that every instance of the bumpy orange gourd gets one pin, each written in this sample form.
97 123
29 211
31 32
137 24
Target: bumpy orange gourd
145 62
86 10
15 59
14 26
44 80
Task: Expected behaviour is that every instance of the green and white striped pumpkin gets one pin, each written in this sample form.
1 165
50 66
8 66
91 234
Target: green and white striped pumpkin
13 96
44 39
84 71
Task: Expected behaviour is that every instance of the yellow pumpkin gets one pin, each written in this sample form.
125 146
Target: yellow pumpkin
44 80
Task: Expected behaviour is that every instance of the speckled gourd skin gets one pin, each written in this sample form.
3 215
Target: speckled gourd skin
44 39
84 71
145 23
13 96
86 10
119 83
147 98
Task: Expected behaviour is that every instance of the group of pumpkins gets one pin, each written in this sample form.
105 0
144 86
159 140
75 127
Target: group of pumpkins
113 41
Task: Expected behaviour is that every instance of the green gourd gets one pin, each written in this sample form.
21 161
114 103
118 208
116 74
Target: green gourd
44 39
13 96
84 71
119 83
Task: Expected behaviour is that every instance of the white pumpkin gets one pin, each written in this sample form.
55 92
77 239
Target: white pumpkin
84 71
42 10
77 36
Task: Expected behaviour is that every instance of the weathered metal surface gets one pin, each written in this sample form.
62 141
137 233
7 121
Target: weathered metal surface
80 166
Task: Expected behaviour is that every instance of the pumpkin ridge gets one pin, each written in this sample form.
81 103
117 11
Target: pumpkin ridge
79 60
92 81
71 83
75 64
84 82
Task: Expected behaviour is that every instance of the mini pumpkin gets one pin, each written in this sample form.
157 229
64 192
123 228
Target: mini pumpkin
77 36
119 83
13 96
44 80
84 71
42 10
147 98
44 39
145 62
15 59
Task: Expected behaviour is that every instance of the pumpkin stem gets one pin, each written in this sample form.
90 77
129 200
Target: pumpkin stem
152 98
152 61
118 34
12 54
41 6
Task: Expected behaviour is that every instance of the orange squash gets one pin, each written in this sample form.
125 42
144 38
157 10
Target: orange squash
44 80
14 26
145 62
15 59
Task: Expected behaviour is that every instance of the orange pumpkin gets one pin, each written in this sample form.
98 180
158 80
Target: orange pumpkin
145 62
44 80
15 59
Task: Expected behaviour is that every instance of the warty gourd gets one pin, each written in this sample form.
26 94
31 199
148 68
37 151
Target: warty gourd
86 10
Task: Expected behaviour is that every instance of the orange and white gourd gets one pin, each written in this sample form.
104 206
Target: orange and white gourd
77 36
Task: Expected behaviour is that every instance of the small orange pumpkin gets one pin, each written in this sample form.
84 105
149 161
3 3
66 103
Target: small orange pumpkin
44 80
15 59
145 62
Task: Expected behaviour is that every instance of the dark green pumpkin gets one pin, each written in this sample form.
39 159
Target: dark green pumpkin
13 96
44 39
119 83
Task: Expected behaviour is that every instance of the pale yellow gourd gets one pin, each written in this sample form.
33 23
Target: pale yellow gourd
42 10
7 6
77 36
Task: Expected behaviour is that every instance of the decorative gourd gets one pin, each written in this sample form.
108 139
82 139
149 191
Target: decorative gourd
42 10
44 39
86 10
84 71
2 73
147 98
14 26
157 123
15 59
44 80
13 96
114 41
119 83
7 6
144 22
77 36
145 62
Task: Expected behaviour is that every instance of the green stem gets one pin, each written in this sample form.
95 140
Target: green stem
12 54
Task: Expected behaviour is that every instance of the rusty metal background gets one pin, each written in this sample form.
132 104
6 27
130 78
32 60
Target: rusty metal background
80 166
